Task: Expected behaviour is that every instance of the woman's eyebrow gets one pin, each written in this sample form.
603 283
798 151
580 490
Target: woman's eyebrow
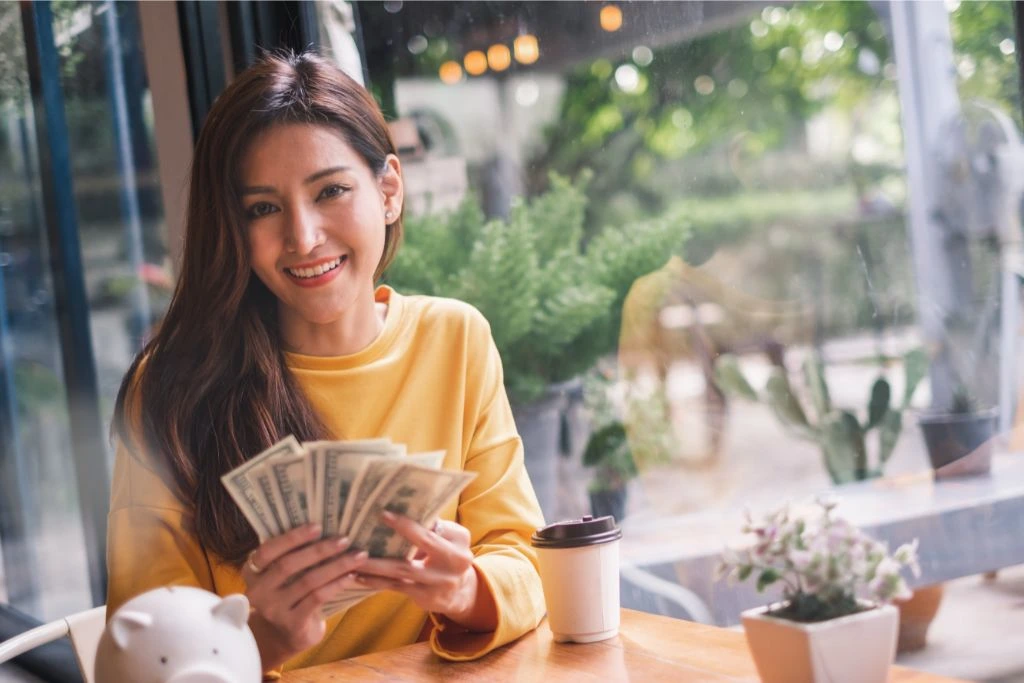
326 172
266 189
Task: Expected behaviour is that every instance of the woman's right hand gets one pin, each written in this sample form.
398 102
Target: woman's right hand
286 585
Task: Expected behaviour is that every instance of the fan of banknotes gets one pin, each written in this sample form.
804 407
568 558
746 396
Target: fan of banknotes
343 486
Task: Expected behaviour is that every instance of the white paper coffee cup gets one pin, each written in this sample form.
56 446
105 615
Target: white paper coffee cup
579 569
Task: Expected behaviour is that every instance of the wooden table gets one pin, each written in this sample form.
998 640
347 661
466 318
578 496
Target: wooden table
648 648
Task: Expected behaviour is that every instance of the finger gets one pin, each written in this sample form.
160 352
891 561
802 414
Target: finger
279 546
382 583
310 605
331 573
457 534
415 533
288 568
411 572
387 568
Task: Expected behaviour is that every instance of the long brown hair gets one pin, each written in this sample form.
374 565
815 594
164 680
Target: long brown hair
211 388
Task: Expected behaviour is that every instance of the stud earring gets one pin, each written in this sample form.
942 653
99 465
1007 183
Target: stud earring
389 215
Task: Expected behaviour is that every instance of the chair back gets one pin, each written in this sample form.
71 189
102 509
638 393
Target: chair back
85 629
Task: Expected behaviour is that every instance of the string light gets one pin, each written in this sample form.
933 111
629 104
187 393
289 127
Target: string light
475 62
526 49
450 73
611 18
499 57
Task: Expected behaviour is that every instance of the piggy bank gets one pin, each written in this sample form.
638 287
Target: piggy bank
179 634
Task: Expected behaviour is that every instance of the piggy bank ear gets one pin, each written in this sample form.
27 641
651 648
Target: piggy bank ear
233 609
125 625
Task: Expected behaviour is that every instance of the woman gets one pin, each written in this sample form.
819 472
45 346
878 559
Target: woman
276 328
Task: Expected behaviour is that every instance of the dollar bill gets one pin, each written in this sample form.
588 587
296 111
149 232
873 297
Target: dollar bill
251 502
413 491
335 465
373 472
261 475
339 469
344 601
249 494
290 479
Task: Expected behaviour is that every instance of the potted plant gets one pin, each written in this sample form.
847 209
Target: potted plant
834 622
842 436
608 453
553 300
959 441
843 440
617 444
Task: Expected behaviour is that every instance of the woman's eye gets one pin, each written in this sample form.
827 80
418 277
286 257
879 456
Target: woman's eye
260 209
332 191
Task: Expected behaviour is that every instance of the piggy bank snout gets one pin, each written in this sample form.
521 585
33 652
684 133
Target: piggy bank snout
203 673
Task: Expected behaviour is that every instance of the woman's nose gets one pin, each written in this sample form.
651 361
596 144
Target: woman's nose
304 233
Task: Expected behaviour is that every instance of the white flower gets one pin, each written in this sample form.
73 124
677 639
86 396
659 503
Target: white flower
801 559
906 555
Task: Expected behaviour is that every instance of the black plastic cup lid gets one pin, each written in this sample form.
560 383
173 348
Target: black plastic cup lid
576 533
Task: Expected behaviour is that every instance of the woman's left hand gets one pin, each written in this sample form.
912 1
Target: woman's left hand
441 577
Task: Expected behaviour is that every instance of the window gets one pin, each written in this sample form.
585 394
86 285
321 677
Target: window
648 200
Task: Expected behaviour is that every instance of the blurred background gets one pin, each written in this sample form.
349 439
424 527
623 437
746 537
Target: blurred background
732 253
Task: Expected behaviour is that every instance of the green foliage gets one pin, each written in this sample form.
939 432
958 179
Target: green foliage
553 301
608 450
810 607
770 72
964 402
621 444
841 436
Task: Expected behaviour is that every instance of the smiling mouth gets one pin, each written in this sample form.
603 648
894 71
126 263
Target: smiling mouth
317 270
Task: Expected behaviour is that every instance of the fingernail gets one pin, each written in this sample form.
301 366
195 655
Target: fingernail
389 516
315 530
342 543
362 555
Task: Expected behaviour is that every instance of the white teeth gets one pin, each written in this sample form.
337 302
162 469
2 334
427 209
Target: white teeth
315 271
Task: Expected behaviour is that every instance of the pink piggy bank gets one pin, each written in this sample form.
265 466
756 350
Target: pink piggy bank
179 634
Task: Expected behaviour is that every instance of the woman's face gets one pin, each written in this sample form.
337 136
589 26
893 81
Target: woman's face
316 216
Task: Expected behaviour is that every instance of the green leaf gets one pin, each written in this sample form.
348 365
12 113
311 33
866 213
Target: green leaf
784 401
767 578
878 404
915 365
745 572
730 379
605 443
814 376
888 435
842 444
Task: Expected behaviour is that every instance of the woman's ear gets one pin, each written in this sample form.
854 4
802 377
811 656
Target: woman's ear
392 188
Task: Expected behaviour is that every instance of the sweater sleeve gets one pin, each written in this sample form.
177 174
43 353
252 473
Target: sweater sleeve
148 544
500 509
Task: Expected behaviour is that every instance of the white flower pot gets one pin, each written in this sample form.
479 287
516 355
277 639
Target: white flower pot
858 648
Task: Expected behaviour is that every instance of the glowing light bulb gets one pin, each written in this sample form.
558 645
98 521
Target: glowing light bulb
526 49
499 57
475 62
450 73
611 18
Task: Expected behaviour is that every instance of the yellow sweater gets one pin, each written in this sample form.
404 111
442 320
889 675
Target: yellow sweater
431 380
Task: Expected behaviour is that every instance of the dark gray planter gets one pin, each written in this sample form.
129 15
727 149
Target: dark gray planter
959 444
609 502
540 424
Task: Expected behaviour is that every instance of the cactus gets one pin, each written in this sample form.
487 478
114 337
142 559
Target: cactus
840 435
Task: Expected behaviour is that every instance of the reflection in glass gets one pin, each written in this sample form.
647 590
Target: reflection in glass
110 130
846 199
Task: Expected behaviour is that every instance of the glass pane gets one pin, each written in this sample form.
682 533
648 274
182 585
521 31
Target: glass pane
120 212
650 201
122 233
45 570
